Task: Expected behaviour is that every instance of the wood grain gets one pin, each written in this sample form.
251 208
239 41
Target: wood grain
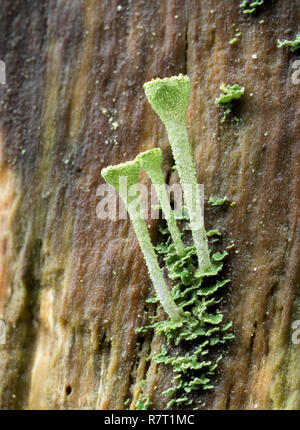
72 286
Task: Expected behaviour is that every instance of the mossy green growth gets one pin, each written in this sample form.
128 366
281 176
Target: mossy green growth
234 40
217 201
249 6
143 403
201 329
127 402
294 45
225 100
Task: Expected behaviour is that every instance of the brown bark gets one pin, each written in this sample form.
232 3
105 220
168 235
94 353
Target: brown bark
73 287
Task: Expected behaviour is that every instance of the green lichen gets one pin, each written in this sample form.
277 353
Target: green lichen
143 403
217 201
169 97
130 171
249 6
225 100
214 232
151 161
237 35
195 329
294 45
200 331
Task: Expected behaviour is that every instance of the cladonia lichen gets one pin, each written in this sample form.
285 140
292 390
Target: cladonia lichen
217 201
237 35
114 176
195 331
225 100
294 45
249 6
169 97
151 161
200 331
143 403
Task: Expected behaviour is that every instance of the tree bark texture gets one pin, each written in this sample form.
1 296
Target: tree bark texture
72 286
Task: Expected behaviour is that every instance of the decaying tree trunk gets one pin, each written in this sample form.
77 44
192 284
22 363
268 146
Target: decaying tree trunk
72 286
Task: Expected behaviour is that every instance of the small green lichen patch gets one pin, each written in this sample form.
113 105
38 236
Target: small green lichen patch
217 201
294 45
214 232
225 100
111 115
143 403
200 332
237 35
249 6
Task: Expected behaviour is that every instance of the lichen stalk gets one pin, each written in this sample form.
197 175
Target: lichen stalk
130 171
151 161
169 97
